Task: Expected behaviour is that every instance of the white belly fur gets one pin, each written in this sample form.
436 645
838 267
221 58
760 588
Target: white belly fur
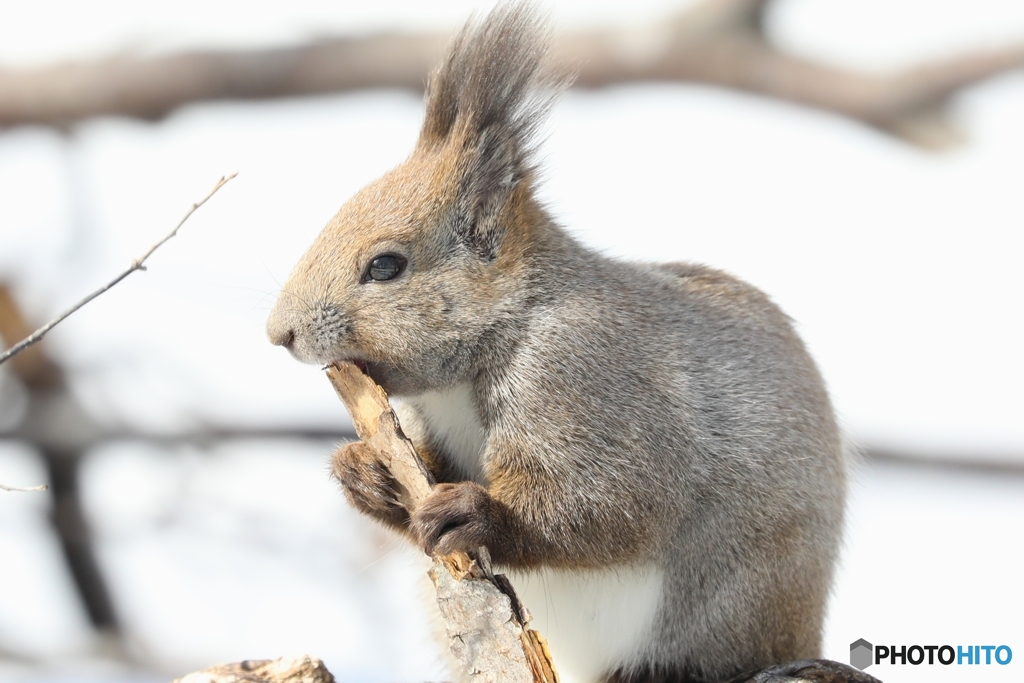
452 420
593 620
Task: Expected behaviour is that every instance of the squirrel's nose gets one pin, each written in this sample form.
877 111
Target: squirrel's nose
286 339
280 335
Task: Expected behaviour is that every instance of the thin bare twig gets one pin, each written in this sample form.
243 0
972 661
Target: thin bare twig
41 487
137 264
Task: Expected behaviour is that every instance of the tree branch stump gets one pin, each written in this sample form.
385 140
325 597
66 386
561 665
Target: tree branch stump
303 669
487 626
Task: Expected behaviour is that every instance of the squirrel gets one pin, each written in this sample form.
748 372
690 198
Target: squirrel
647 450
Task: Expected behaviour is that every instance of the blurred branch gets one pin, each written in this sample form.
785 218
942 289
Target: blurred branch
150 88
41 487
62 430
137 264
716 42
722 42
33 366
1001 464
57 425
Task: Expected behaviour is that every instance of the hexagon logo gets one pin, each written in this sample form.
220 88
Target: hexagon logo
860 654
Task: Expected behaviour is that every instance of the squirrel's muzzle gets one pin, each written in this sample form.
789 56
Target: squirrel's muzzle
312 333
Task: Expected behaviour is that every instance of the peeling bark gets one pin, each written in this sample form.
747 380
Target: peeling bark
303 669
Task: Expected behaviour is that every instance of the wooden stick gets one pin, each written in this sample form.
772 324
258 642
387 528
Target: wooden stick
488 627
303 669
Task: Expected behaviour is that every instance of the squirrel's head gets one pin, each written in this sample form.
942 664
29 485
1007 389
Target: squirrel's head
413 272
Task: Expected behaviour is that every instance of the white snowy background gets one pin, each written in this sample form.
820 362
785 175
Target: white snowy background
902 269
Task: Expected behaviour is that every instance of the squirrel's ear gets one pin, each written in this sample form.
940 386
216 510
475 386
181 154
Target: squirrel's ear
496 168
488 98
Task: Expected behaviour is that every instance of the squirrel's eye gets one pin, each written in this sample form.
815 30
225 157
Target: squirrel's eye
385 267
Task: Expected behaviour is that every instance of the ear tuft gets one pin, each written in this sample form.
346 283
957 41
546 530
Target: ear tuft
489 97
493 78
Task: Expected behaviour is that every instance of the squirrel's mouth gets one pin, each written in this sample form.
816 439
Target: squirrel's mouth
385 375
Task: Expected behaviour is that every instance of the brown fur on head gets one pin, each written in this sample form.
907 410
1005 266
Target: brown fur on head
459 212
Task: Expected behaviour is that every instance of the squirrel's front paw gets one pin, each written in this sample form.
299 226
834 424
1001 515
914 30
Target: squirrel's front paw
456 517
367 484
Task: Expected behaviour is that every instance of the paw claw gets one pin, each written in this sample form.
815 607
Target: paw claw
454 518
